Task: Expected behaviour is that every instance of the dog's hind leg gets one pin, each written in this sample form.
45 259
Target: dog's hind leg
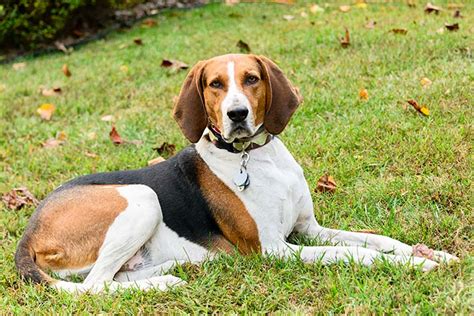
146 273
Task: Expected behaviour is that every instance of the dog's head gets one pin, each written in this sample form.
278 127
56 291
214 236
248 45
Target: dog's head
235 94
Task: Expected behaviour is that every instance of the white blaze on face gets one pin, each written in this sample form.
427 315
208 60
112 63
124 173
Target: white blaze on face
235 99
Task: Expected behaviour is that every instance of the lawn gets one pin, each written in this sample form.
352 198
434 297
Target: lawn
398 172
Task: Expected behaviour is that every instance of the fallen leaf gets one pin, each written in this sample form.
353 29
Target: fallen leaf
420 108
244 47
107 118
90 154
432 8
19 66
399 31
326 184
316 8
288 17
156 161
304 14
363 94
52 142
344 8
60 46
346 40
452 27
425 82
174 64
138 41
124 68
457 14
66 71
421 250
46 110
115 136
371 24
166 149
440 30
19 197
51 92
367 231
149 22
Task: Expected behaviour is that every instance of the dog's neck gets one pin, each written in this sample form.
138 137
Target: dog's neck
259 139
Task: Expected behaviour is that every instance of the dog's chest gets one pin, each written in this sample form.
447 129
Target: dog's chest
276 185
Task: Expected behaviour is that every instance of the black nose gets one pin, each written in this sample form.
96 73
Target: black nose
238 115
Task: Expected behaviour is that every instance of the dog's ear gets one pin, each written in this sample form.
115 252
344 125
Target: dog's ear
189 110
282 98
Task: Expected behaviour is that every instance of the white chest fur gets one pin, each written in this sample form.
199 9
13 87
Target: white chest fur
277 186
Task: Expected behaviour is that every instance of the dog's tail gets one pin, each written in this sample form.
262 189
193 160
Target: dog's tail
25 263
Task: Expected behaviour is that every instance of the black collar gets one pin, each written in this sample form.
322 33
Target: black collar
259 139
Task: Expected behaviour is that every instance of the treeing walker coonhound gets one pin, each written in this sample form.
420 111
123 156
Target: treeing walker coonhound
236 188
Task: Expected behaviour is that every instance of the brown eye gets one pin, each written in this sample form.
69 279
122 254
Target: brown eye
251 80
216 84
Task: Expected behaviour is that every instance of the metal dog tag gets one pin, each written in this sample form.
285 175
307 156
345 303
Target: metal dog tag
242 180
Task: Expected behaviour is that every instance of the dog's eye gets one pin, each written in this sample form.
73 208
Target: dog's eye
216 84
251 80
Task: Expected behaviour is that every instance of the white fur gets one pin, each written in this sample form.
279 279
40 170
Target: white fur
234 99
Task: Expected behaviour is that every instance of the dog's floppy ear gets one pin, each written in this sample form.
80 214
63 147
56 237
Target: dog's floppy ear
282 98
189 109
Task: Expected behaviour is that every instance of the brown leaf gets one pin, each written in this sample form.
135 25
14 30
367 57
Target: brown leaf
51 92
174 65
371 24
344 8
107 118
452 27
432 8
326 184
316 8
399 31
166 148
420 108
56 141
244 47
90 154
457 14
19 197
421 250
425 82
367 231
66 71
363 94
46 111
346 40
138 41
149 22
156 160
19 66
115 136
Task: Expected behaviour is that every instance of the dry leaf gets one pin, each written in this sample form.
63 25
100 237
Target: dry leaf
315 9
90 154
363 94
367 231
59 45
457 14
244 47
166 148
174 65
425 82
107 118
115 136
326 184
420 108
138 41
19 66
19 197
124 68
371 24
288 17
149 22
432 8
51 92
452 27
421 250
66 71
346 40
399 31
52 142
155 161
344 8
46 110
304 14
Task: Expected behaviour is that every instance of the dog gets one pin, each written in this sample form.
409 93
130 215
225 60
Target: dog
236 188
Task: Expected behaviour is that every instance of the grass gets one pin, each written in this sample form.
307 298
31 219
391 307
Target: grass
399 173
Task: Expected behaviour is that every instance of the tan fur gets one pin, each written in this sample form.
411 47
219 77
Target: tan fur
72 225
235 222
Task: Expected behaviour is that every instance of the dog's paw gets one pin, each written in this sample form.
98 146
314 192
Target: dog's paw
425 264
444 257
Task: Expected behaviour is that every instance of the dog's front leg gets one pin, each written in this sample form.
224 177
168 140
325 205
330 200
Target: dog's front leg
332 254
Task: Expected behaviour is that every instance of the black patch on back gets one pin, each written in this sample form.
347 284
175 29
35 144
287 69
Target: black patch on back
184 207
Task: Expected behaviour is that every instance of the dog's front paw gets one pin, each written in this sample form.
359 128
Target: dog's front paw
444 257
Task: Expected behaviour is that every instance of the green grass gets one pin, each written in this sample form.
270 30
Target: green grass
399 173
